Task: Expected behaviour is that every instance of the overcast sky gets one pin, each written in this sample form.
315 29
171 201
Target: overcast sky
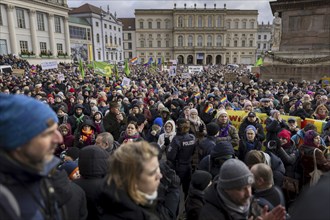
125 8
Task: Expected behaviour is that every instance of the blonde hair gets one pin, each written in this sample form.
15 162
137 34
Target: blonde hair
126 166
318 108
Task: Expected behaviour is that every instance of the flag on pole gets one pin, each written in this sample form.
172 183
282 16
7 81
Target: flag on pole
134 60
116 71
126 69
102 68
148 62
259 62
81 68
224 100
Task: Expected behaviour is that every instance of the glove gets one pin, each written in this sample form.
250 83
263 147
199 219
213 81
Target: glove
167 141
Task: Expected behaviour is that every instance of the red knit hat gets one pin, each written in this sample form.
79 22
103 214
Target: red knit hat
285 134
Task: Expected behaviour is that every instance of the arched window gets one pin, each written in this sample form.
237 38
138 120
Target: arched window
200 21
180 41
190 41
209 41
219 39
180 21
190 21
200 41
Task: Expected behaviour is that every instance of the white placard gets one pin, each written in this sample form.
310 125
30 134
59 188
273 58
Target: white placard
186 75
195 69
126 81
172 71
49 65
60 77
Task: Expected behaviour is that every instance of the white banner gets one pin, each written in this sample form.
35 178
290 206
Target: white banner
126 82
186 75
195 69
172 71
49 65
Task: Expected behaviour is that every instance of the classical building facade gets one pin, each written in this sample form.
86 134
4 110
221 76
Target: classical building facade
106 32
80 39
129 43
37 28
197 35
264 38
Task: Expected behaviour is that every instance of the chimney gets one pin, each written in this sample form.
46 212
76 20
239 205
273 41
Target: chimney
108 9
185 5
204 5
225 6
215 6
195 5
174 5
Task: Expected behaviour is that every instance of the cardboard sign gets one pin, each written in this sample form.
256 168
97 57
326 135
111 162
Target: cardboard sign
126 81
186 75
18 72
49 65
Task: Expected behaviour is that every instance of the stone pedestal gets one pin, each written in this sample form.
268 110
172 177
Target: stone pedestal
304 51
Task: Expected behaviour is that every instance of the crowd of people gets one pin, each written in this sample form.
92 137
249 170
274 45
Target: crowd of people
94 147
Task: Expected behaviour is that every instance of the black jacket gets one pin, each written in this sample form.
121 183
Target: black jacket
256 124
194 203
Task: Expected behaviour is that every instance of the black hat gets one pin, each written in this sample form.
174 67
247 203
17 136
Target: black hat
201 179
252 114
291 120
212 128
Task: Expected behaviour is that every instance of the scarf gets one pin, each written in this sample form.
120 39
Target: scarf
224 132
86 134
239 212
250 145
134 136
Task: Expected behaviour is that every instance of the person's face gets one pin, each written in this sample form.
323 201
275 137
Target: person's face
265 104
168 127
250 135
79 111
248 108
131 129
60 112
186 111
58 99
283 140
40 150
149 179
240 196
317 140
292 124
322 111
80 101
100 143
223 118
87 128
115 110
136 110
64 131
97 116
193 115
76 175
252 119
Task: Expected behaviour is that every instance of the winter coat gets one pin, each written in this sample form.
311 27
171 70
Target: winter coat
93 166
273 127
194 203
112 126
115 204
163 136
243 149
205 146
232 135
26 186
277 167
241 131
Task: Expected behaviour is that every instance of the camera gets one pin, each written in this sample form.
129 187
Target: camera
272 145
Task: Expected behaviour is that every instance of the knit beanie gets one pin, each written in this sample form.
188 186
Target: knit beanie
70 167
247 103
272 112
193 110
21 119
251 127
201 179
234 174
158 121
222 111
309 137
212 128
285 134
73 152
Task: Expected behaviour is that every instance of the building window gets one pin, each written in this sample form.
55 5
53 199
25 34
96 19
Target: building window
141 43
265 37
78 32
40 21
228 24
251 43
252 24
150 35
167 43
99 55
43 47
219 41
167 25
118 29
141 24
158 24
114 28
235 43
199 41
227 43
24 46
57 24
209 21
1 17
3 46
96 23
159 43
190 21
88 34
106 39
107 55
219 21
180 41
59 48
111 55
110 39
119 41
115 40
259 37
110 27
258 46
227 59
130 55
129 36
150 43
235 60
264 46
244 24
190 41
236 25
97 38
20 18
209 41
158 36
180 21
129 46
243 43
150 25
200 21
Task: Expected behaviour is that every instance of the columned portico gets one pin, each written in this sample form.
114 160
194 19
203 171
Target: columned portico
11 27
33 31
51 25
67 36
